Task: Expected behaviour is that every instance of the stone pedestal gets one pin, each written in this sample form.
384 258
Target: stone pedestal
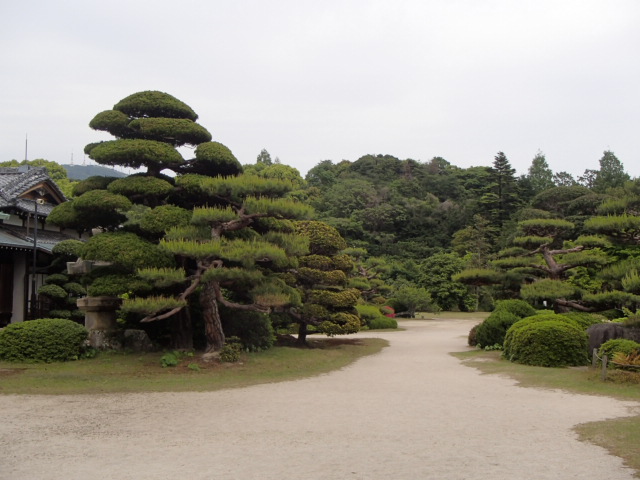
100 319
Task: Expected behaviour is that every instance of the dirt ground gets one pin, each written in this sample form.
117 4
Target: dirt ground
411 412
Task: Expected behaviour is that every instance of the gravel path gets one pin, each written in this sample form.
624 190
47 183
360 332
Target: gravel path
411 412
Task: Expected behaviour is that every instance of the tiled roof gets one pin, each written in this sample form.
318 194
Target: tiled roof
14 182
22 239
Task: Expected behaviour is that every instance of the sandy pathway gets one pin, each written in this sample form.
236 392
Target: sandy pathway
411 412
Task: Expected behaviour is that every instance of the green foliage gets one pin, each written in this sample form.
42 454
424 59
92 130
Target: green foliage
374 319
230 352
44 340
549 343
436 277
253 329
494 328
584 319
126 250
613 299
75 289
311 276
162 277
381 323
56 279
160 219
611 347
151 305
52 291
153 103
517 307
409 299
323 239
112 121
477 277
547 289
546 227
541 317
344 299
212 216
176 131
68 249
170 359
472 337
340 323
216 158
138 185
92 183
115 285
135 153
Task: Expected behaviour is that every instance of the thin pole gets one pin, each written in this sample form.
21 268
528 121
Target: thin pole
33 274
26 147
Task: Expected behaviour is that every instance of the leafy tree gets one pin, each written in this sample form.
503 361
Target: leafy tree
264 157
408 299
501 196
611 173
540 175
435 275
563 179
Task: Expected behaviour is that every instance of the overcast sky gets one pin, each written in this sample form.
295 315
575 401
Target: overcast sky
334 79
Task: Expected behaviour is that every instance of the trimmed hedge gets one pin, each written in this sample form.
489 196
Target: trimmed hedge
43 340
550 343
494 328
512 332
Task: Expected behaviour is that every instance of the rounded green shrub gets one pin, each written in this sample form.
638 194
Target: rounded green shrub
512 332
53 291
519 308
380 323
550 343
494 328
43 340
56 279
472 338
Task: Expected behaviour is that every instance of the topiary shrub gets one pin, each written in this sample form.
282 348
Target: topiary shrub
519 308
43 340
373 317
494 328
549 343
512 332
472 339
383 322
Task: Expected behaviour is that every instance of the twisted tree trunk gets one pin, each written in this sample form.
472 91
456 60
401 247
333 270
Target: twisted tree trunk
211 316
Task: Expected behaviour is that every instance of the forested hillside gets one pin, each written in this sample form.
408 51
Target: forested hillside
422 223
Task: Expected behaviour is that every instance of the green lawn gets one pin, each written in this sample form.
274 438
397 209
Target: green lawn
621 437
118 372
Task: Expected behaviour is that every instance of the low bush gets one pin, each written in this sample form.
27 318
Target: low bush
621 345
380 323
519 308
374 318
512 332
472 339
550 343
43 340
494 328
230 352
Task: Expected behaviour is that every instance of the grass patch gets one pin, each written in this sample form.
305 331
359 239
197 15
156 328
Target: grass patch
112 372
620 436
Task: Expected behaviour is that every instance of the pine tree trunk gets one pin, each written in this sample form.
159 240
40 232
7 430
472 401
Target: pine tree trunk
302 334
212 322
